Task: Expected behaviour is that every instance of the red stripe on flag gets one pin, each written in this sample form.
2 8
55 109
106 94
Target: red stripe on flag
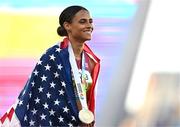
10 114
3 118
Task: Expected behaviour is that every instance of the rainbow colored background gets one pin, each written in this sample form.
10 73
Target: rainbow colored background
28 28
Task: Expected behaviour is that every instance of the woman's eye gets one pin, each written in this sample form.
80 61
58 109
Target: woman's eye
82 21
90 21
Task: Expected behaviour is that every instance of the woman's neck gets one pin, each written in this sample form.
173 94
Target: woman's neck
77 48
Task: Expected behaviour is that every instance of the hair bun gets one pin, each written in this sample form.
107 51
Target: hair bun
61 31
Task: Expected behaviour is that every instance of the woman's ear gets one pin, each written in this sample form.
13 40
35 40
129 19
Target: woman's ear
67 26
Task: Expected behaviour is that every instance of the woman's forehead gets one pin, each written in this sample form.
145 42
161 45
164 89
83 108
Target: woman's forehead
82 14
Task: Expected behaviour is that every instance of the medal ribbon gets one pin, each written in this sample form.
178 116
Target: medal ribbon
77 78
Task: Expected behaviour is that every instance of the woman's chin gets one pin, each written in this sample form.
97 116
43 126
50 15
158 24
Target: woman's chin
88 38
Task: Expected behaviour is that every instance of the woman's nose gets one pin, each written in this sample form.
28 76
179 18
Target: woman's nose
89 25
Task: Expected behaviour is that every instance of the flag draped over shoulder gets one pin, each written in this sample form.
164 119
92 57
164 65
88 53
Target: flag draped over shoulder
48 98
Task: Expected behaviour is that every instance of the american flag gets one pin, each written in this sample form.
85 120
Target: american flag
48 98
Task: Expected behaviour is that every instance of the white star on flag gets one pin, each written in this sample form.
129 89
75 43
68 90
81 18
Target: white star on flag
61 92
63 84
51 112
37 100
73 118
60 66
43 117
31 123
52 84
39 62
58 49
56 75
47 67
33 83
70 125
34 111
40 89
45 106
27 106
65 109
56 102
43 78
36 72
61 119
52 57
50 123
25 118
48 95
30 94
20 102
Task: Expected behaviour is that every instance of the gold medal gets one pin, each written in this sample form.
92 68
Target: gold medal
86 116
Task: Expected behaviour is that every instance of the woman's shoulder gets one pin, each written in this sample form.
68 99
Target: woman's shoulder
52 52
53 49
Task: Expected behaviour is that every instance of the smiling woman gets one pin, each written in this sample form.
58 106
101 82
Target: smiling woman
61 88
81 26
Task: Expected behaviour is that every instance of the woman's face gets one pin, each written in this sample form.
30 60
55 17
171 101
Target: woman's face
81 26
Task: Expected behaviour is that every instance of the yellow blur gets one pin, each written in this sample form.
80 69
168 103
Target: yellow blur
26 35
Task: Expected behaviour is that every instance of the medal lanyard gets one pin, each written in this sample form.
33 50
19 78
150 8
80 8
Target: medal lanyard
77 78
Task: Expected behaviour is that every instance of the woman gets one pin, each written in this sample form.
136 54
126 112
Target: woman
60 91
